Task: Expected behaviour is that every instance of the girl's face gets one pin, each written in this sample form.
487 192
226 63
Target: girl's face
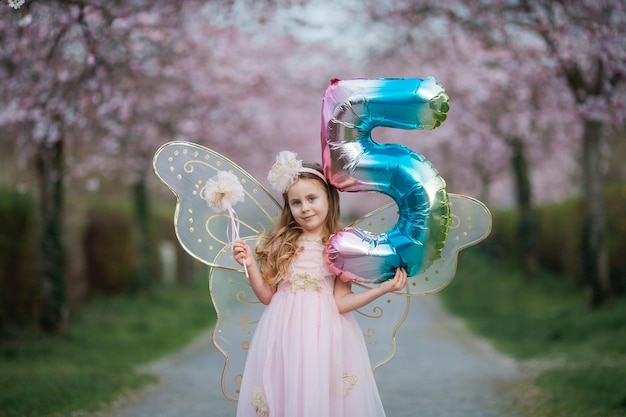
308 203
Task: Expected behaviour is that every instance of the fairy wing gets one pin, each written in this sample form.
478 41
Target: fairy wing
470 223
185 167
380 321
238 313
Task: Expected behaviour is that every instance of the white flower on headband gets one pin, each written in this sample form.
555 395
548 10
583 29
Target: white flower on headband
285 171
223 191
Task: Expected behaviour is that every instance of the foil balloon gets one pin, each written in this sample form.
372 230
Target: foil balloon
354 162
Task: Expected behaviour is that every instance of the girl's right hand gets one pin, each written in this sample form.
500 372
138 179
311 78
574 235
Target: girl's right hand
397 283
242 253
244 256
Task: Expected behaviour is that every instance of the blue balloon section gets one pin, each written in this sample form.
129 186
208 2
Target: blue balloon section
353 162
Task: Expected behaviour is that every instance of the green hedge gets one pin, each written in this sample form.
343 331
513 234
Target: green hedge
101 252
110 244
616 224
110 254
559 229
19 261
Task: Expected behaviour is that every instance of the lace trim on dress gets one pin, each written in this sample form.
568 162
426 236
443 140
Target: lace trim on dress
259 404
304 281
349 381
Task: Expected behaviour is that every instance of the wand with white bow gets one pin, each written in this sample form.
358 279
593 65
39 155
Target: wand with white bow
221 193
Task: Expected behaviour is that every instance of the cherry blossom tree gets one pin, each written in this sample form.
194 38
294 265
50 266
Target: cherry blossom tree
118 79
583 45
42 78
587 41
70 69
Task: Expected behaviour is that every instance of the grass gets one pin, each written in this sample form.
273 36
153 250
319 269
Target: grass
581 352
99 358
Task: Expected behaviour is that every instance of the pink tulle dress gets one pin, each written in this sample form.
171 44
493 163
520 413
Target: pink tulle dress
305 359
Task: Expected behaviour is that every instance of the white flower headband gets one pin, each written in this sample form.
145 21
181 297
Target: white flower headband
286 171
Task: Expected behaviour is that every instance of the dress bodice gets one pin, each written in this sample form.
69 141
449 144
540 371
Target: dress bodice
308 271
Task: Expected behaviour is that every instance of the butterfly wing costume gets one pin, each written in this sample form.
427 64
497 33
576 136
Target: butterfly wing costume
185 167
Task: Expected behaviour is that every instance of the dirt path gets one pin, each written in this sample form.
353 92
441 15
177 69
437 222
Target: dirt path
441 370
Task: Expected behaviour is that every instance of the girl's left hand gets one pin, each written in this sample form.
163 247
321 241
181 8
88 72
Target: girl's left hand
397 283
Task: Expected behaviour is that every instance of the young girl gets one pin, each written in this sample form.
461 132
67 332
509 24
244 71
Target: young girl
308 356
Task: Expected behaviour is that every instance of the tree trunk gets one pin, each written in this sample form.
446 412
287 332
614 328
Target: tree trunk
143 271
50 169
595 259
526 233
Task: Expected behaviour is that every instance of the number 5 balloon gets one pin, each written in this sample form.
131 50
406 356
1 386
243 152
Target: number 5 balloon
353 162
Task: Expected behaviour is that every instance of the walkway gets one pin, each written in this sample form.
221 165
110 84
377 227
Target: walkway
441 370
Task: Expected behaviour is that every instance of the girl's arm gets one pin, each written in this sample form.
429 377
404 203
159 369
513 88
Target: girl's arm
262 290
348 301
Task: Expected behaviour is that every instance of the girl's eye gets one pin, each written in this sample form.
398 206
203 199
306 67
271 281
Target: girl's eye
295 203
311 199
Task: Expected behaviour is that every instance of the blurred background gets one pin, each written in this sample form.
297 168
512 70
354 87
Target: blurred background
91 89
